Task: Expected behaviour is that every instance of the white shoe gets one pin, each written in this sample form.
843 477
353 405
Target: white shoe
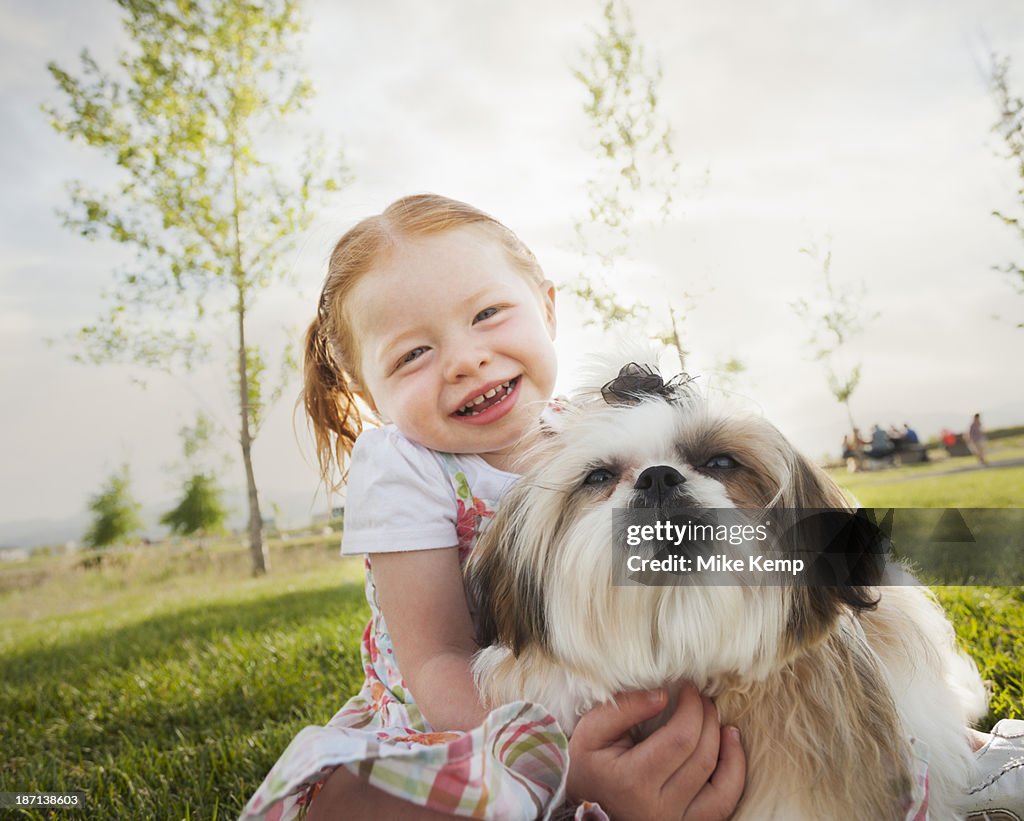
998 791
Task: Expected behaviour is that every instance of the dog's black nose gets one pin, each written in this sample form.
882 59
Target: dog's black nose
659 480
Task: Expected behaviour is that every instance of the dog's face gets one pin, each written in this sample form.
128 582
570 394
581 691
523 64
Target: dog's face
542 576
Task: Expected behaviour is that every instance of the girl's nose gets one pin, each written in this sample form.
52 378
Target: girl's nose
467 361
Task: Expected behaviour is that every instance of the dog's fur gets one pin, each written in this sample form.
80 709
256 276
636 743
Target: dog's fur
826 684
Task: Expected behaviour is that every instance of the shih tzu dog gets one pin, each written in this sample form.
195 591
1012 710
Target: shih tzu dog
827 684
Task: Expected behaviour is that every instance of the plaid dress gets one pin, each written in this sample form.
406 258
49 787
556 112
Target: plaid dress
512 766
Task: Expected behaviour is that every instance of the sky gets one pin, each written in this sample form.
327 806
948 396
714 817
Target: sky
864 128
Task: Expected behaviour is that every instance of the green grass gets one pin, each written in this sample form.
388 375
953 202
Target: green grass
944 482
989 621
165 682
174 701
907 487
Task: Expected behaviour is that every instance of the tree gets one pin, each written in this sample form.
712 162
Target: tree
115 511
1010 127
637 174
633 151
188 118
201 509
836 316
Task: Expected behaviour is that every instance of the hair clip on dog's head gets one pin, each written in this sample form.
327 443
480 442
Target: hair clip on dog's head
635 383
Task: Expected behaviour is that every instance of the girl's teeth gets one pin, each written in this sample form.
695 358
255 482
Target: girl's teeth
467 409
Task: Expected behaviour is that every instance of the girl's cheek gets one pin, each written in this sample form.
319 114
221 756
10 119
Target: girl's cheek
525 329
417 384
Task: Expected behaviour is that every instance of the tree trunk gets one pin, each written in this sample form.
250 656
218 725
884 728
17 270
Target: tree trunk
257 550
677 343
849 415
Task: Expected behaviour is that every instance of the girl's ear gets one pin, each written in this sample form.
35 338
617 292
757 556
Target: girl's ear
364 395
547 292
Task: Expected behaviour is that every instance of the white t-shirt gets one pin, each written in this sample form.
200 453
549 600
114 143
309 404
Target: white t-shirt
400 496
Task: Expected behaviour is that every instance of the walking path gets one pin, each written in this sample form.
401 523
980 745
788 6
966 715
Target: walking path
1002 463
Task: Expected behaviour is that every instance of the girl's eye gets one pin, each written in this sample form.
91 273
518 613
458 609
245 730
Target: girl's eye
600 476
415 353
486 313
721 462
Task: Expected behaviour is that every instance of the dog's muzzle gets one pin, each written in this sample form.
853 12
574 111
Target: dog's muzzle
660 486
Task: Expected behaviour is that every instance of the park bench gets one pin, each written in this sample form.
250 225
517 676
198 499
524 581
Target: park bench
911 454
958 446
903 454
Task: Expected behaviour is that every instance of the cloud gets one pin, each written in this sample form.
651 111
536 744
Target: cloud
867 121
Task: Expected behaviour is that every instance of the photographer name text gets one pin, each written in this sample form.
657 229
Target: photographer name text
717 563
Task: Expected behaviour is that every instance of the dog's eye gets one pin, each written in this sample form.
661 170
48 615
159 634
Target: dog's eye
722 461
599 476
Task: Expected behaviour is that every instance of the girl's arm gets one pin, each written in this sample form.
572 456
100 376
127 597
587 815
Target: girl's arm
423 600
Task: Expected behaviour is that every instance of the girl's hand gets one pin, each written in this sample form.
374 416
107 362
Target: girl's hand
691 768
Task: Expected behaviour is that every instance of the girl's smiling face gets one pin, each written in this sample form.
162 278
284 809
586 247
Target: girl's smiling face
455 344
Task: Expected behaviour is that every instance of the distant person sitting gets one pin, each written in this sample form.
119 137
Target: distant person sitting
911 449
880 447
853 451
975 439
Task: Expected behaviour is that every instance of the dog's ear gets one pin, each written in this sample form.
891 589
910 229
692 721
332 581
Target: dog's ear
849 555
811 487
505 590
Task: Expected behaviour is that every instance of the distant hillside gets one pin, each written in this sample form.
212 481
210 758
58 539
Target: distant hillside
295 510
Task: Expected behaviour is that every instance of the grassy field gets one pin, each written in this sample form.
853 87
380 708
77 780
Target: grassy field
171 697
165 681
989 621
944 482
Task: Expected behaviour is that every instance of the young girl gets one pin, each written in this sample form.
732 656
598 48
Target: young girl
440 322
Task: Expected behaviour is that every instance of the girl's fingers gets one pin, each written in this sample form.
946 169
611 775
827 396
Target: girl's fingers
608 723
719 796
692 774
671 746
689 765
